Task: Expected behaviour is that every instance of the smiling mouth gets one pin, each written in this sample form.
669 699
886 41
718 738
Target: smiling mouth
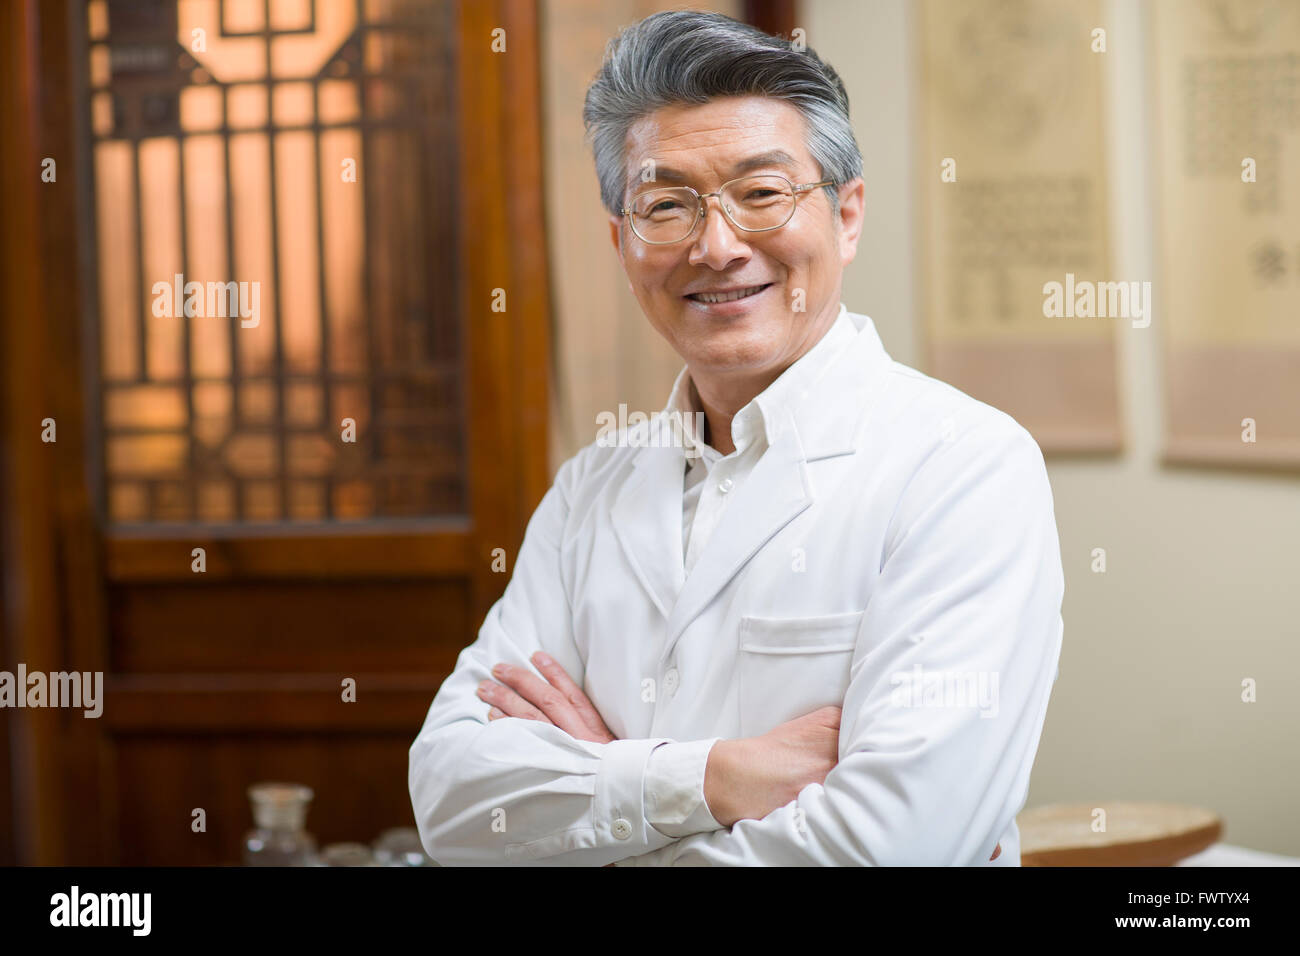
714 298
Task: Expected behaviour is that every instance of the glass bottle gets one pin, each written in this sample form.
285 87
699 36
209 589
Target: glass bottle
347 854
279 810
401 846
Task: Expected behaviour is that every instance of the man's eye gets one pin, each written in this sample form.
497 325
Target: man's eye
755 195
664 206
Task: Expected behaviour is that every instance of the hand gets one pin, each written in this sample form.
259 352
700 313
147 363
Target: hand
560 702
747 779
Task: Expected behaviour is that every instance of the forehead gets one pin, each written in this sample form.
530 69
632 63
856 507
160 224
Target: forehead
718 140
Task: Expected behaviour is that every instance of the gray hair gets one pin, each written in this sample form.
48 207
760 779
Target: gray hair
691 57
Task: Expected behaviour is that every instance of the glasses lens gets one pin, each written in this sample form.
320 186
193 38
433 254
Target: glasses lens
664 215
760 202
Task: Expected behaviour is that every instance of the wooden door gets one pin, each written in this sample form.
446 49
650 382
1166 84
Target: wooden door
286 490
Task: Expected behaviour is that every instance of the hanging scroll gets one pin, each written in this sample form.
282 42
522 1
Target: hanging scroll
1019 309
1227 125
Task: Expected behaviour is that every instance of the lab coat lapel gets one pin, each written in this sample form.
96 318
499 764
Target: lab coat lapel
647 519
825 424
775 492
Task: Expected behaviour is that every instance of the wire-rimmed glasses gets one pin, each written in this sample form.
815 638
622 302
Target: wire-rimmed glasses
751 204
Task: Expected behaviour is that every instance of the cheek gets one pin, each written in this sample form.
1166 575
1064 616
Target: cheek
648 276
808 265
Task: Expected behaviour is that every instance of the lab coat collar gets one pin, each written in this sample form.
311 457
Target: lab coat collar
829 415
823 422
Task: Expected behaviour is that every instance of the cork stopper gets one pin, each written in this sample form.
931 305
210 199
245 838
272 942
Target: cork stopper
280 806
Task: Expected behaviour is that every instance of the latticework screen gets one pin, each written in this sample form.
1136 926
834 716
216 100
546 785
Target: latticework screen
275 201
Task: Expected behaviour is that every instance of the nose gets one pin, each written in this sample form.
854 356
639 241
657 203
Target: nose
716 243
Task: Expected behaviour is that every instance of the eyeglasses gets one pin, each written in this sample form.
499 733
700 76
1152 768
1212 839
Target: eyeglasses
751 204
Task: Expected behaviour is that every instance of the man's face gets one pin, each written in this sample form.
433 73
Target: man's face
799 265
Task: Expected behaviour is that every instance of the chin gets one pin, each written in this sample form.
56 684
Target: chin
733 350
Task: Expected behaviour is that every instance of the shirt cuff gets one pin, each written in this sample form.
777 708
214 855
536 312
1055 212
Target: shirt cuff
674 788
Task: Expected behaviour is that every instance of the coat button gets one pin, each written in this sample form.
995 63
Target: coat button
670 681
725 485
621 829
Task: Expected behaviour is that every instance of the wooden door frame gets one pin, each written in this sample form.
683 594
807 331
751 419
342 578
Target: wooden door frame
35 624
56 559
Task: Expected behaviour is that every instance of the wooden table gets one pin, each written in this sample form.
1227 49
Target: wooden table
1135 834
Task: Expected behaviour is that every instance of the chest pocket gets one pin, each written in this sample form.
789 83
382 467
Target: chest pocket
791 666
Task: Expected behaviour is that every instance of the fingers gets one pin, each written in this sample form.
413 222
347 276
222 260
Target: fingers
508 702
527 690
562 682
997 852
828 716
824 717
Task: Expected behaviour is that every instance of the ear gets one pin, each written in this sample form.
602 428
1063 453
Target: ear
616 234
852 211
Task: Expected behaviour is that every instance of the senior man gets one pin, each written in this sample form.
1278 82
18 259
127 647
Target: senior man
824 631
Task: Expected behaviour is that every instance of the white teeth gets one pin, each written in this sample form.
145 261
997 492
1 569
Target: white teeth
715 297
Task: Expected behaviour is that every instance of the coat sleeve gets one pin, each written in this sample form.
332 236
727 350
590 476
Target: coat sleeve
955 660
523 791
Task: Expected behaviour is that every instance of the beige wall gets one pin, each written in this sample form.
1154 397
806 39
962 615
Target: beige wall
1202 588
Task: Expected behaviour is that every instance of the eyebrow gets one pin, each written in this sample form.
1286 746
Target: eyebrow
775 157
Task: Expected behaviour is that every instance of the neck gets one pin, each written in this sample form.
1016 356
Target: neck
720 405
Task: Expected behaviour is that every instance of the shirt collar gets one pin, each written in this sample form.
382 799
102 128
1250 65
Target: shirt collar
763 415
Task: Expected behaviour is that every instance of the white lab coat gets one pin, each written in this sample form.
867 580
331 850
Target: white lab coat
896 535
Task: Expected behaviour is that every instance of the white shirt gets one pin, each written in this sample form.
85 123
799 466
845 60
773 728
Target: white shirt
894 531
675 774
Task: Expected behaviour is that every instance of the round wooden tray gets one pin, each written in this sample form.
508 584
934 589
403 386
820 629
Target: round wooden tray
1137 834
